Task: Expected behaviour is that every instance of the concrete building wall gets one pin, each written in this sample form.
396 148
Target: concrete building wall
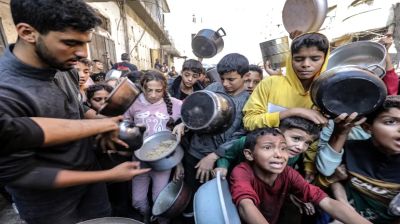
7 22
140 37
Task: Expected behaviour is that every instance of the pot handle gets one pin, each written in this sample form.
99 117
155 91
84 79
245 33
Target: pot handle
375 67
221 30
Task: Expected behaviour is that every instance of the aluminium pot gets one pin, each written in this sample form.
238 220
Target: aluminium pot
304 15
207 43
275 51
121 98
208 112
131 134
172 200
167 159
366 54
348 89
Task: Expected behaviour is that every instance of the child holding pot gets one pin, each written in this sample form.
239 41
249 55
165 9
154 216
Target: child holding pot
156 110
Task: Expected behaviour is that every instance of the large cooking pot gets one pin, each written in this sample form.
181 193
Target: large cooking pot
208 112
207 43
111 220
275 51
304 15
121 98
172 200
366 54
348 89
213 203
160 157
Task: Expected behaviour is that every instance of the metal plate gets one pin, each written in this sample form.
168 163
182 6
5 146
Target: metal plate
304 15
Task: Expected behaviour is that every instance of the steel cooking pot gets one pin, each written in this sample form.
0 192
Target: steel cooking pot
348 89
213 203
207 43
172 200
276 51
208 112
160 159
131 135
366 54
121 98
304 15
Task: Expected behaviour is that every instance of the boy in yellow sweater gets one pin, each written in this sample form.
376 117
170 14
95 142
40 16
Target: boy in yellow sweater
279 97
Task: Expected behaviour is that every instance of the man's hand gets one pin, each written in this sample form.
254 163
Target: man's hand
126 171
107 140
204 167
268 68
339 175
179 130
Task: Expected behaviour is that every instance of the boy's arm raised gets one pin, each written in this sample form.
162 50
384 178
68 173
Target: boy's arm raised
341 212
250 213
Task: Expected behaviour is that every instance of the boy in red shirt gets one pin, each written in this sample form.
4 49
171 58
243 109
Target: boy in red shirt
260 186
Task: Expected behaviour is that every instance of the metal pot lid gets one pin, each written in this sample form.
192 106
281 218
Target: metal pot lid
304 15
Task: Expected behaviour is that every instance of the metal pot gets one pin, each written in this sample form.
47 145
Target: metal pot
276 51
172 200
207 43
131 134
366 54
208 112
165 160
111 220
304 15
213 203
121 98
348 89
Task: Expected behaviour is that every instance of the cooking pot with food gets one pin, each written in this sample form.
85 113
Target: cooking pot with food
121 98
366 54
161 151
207 43
172 200
348 89
208 112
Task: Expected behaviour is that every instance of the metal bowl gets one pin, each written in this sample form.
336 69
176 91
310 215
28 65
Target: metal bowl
213 203
304 15
166 159
121 98
172 200
366 54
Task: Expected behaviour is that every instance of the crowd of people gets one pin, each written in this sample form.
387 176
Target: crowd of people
286 162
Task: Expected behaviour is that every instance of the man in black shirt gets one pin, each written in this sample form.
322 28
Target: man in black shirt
46 161
125 65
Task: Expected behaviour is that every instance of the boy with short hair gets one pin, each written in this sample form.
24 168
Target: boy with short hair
259 186
298 132
187 82
253 78
372 164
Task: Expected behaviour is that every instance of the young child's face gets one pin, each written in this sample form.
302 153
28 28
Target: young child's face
297 141
270 154
189 78
98 99
251 80
233 83
84 73
154 91
307 62
385 131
